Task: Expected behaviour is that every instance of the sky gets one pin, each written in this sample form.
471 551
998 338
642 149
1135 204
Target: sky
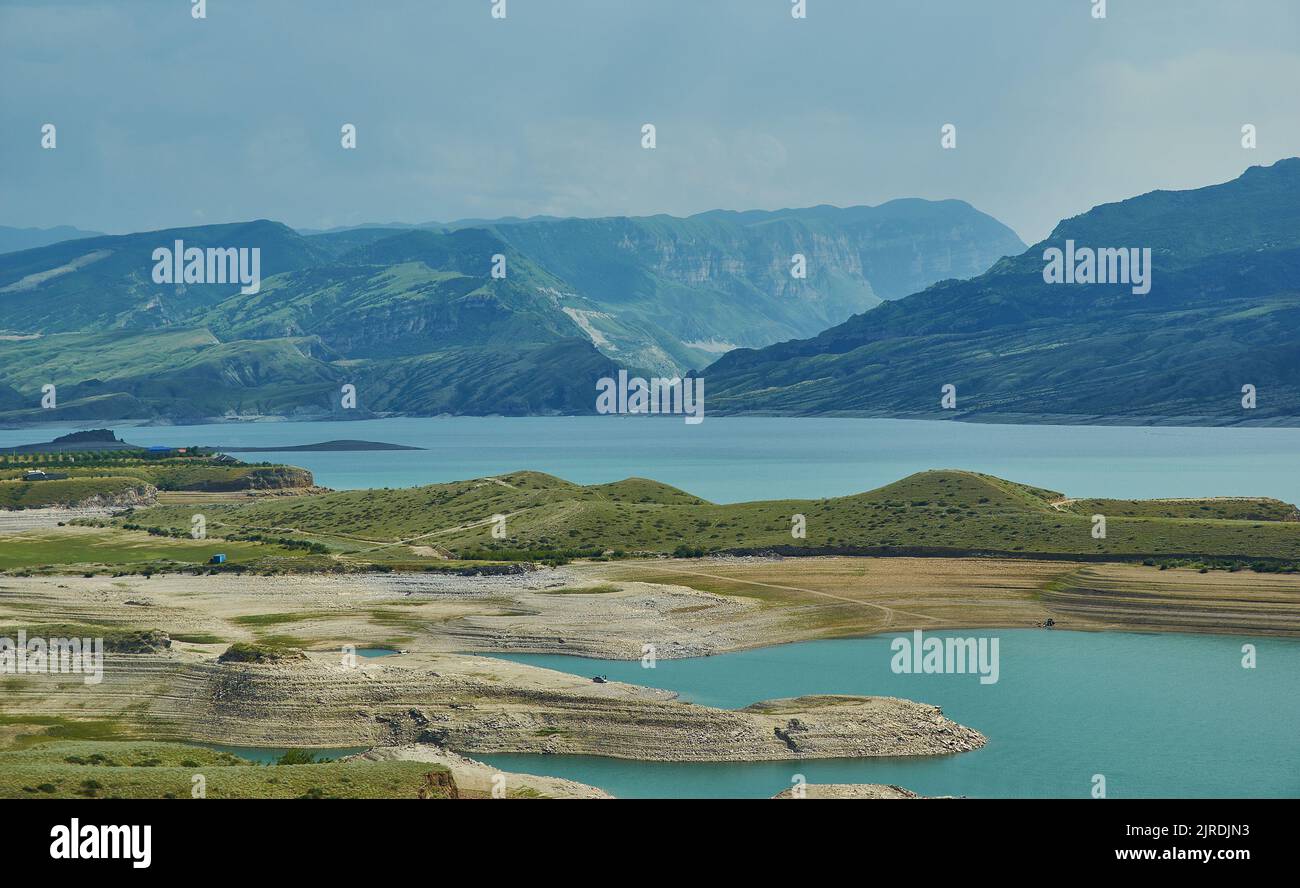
165 120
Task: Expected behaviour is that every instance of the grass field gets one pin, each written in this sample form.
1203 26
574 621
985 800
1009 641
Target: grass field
108 769
110 547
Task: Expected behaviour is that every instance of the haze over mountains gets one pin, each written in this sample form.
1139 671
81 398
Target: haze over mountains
412 316
12 239
671 294
1223 312
415 320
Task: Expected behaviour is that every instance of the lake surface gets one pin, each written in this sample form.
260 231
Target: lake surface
1156 715
732 459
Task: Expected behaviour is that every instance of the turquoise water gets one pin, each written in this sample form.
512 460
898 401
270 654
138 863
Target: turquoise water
731 459
1157 715
372 653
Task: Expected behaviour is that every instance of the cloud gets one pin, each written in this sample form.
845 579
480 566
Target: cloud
459 115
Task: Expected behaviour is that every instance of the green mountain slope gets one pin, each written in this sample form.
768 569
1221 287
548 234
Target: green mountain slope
416 320
672 294
1221 313
106 282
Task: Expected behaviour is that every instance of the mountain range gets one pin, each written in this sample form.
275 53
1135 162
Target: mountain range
1222 314
900 302
414 318
12 239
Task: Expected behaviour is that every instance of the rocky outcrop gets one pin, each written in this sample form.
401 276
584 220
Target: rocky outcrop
257 478
439 785
141 494
95 494
474 705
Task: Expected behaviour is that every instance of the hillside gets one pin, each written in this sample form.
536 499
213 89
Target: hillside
79 492
1220 314
937 512
415 319
119 474
721 279
105 283
415 322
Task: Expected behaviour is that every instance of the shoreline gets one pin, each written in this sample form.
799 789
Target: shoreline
448 694
429 693
999 419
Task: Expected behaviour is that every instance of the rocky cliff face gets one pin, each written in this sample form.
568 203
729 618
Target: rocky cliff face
138 495
425 321
272 478
672 293
404 703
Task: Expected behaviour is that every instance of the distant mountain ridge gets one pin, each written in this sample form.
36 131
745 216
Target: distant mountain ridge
410 336
672 293
12 239
417 322
723 279
1221 314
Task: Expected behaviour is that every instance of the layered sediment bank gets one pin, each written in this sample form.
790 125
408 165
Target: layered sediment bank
323 696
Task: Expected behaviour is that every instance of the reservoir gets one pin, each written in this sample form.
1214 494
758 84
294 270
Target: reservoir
1154 715
734 459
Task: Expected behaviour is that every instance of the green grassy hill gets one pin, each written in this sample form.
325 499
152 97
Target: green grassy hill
1229 508
19 494
937 512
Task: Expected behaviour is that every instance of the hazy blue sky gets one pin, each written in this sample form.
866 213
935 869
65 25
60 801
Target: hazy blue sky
164 120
